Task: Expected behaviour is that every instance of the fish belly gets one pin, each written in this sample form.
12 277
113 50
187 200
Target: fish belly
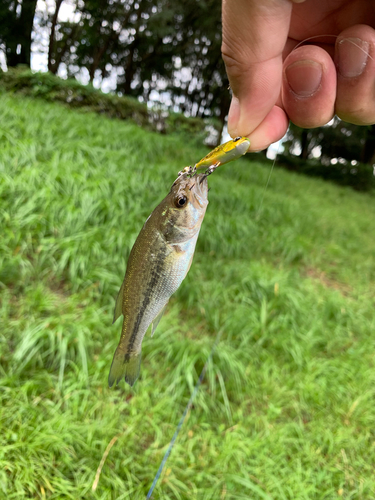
146 293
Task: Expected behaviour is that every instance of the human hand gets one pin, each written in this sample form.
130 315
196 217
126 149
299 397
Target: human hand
273 83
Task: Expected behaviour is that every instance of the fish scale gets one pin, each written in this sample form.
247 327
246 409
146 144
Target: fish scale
161 257
157 265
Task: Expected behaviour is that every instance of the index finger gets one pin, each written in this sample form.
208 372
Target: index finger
254 36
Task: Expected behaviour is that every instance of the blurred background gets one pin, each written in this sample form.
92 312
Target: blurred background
167 56
101 104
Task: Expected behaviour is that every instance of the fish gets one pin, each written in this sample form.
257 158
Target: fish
158 263
229 151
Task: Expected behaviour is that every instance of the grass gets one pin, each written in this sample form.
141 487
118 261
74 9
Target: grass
70 92
286 410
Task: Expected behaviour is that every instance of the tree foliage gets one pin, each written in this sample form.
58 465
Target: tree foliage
341 152
164 52
336 140
159 50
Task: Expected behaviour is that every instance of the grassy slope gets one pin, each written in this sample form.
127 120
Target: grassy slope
287 407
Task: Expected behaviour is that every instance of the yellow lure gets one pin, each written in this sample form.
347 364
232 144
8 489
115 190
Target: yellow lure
225 153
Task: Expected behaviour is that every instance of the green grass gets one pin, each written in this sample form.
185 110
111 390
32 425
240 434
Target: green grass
286 410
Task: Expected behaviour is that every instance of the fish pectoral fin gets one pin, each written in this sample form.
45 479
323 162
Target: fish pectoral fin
126 365
118 307
157 319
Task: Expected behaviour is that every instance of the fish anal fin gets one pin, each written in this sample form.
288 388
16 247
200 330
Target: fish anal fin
124 365
118 307
157 319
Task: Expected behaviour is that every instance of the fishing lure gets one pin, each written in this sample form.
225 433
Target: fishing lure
229 151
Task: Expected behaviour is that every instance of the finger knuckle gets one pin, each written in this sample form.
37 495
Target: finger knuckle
234 59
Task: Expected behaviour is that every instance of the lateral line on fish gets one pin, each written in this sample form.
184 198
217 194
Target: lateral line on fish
141 282
187 408
151 283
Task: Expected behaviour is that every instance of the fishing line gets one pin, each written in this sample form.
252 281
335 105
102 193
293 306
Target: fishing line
187 408
330 36
213 349
278 148
268 181
203 372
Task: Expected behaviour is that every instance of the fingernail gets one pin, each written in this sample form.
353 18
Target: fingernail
233 116
304 77
351 56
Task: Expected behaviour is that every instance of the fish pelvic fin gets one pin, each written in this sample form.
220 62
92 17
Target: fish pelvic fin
118 307
157 319
126 365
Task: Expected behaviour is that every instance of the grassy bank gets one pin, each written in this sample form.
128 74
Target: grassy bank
26 83
287 407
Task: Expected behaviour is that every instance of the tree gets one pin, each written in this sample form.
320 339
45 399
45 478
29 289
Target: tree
53 59
336 140
171 47
198 42
167 51
368 149
16 25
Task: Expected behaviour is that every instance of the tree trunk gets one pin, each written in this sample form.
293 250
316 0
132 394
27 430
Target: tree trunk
26 22
18 44
98 55
52 67
11 53
304 145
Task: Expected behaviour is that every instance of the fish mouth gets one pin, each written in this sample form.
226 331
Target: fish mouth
200 189
196 184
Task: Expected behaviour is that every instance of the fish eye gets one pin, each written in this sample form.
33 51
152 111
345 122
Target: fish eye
236 139
180 201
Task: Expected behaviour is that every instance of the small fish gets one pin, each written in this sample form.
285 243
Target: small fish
158 263
225 153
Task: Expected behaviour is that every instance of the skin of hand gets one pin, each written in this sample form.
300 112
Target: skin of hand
272 83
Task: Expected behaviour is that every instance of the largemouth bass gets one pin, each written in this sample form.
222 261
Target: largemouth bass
158 263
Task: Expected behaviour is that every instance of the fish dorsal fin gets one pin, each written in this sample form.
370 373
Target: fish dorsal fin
156 320
119 301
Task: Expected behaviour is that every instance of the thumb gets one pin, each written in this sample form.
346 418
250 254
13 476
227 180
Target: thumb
254 36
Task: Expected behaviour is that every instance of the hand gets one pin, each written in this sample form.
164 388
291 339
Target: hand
271 83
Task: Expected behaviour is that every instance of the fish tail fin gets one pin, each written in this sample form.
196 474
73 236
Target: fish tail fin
133 367
124 365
